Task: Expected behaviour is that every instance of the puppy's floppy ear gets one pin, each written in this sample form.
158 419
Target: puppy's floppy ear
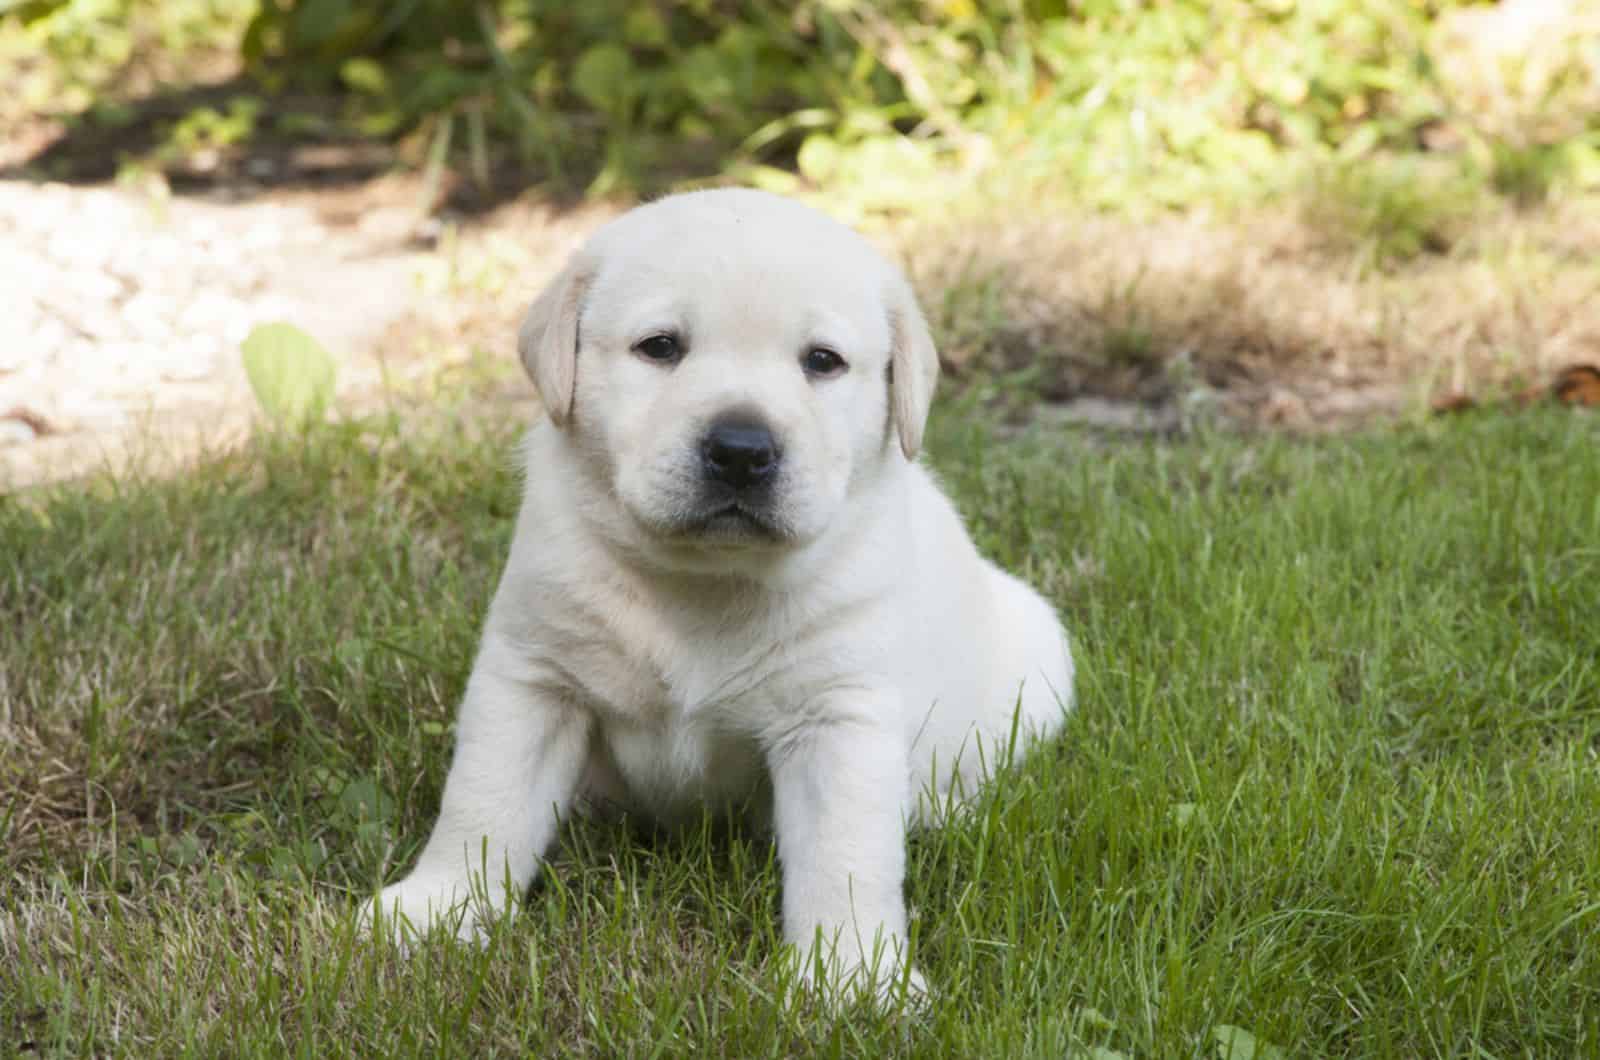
548 339
913 367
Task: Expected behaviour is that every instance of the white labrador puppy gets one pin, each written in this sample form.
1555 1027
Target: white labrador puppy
731 583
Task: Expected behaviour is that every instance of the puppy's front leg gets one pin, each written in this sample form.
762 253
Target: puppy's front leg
518 759
841 791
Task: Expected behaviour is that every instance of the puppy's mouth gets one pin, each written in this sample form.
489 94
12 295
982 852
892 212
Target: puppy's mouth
688 513
733 520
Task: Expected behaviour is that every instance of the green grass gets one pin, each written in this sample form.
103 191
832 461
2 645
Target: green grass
1333 781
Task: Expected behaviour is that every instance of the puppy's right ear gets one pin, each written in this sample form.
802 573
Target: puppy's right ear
548 339
913 367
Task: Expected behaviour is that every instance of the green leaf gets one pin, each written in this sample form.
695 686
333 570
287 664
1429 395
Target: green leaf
1236 1043
819 157
644 26
315 21
31 11
365 75
363 799
289 371
601 76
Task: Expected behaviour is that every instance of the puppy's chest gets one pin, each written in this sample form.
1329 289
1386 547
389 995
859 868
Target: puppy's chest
679 709
637 665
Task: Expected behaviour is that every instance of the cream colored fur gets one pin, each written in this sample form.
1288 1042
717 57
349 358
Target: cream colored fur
836 677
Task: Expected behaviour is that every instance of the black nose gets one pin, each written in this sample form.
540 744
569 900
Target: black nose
739 453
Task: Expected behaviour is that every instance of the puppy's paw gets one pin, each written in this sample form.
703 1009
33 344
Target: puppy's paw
883 981
416 907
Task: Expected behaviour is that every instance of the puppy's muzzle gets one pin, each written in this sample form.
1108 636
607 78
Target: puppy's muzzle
740 453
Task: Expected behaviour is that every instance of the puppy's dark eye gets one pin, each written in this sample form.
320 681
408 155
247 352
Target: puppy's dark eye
820 362
662 349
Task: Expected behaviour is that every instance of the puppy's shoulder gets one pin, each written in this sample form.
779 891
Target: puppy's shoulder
929 507
550 545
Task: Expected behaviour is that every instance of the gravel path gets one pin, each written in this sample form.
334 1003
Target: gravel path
121 313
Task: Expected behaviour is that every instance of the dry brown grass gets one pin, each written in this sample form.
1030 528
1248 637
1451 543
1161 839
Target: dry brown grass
1281 319
1286 314
1277 315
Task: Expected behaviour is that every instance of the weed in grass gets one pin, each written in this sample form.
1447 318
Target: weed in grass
1390 210
1527 174
1331 787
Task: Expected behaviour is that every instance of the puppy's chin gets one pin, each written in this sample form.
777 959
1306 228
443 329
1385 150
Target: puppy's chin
699 540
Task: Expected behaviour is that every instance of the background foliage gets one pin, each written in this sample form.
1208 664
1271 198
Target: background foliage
1132 100
1305 810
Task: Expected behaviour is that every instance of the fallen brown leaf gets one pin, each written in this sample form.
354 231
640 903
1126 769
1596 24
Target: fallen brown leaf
1578 384
38 423
1453 401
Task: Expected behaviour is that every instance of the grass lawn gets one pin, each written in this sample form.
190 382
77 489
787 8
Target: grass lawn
1332 789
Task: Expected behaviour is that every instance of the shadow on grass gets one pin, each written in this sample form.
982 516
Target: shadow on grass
238 139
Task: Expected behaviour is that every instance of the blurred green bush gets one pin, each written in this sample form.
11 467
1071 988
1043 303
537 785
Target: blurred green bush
1165 99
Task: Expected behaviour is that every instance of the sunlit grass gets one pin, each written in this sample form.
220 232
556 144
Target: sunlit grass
1332 782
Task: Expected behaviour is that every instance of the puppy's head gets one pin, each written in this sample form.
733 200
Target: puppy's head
733 365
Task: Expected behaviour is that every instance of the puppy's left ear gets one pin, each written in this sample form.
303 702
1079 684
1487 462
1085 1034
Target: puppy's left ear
548 339
913 367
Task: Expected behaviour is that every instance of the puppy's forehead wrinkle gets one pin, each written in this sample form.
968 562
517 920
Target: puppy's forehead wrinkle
845 318
824 291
